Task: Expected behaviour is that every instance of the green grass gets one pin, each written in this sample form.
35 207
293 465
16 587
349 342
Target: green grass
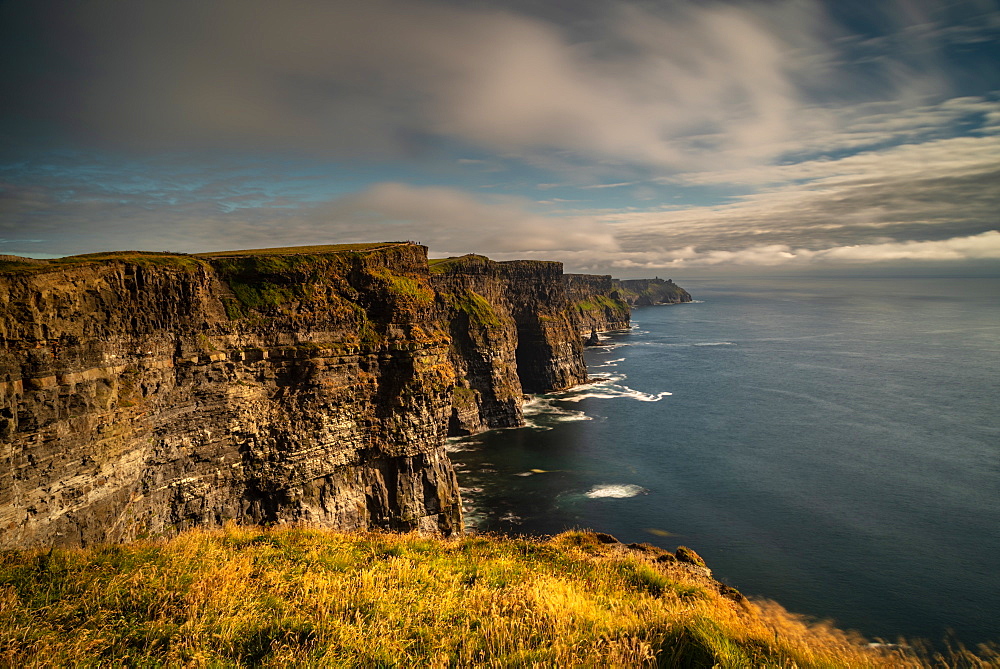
473 305
442 265
185 261
264 283
179 261
247 596
298 250
405 288
600 302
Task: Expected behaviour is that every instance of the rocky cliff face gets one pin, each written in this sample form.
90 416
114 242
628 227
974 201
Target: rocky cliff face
511 332
596 303
147 393
647 292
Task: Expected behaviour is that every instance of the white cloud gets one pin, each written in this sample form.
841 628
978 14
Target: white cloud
985 246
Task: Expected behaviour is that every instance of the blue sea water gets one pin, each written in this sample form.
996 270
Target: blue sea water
830 443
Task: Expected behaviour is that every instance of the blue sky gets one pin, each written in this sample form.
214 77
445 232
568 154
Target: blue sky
625 138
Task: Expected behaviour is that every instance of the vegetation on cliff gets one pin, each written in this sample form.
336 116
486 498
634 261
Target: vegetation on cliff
182 261
646 292
599 302
247 596
478 310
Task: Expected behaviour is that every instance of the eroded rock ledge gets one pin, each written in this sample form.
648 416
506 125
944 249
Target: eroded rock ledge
145 393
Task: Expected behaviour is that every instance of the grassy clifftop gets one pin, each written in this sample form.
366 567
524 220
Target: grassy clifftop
246 596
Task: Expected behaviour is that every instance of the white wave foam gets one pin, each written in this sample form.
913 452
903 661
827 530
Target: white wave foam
540 412
457 444
715 343
609 388
610 347
616 491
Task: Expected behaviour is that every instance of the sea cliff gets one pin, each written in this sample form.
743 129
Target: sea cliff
647 292
145 393
597 303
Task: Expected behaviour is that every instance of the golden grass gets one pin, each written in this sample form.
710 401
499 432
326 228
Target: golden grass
247 596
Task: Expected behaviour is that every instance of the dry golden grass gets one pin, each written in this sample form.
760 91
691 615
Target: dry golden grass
246 596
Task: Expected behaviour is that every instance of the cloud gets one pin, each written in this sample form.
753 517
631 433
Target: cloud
449 220
771 257
454 222
830 145
679 86
985 246
931 191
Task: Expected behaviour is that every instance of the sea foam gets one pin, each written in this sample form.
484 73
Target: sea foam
540 413
616 491
610 388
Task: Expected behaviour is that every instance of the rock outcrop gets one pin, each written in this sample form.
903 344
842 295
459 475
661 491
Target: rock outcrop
146 393
596 303
647 292
149 393
512 333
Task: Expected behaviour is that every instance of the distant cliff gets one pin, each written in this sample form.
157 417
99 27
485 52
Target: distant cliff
596 303
146 393
647 292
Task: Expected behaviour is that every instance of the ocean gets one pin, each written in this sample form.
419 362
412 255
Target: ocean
829 443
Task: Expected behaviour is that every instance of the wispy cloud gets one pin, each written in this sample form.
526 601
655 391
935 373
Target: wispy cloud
791 136
669 87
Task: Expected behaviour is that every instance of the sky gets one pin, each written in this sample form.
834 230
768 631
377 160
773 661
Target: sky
668 137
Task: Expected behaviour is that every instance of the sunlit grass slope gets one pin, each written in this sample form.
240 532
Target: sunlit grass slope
304 597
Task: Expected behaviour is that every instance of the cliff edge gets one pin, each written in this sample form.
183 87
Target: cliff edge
146 393
647 292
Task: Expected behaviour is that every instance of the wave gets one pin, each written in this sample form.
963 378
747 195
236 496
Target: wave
662 344
616 491
609 347
607 363
459 444
610 388
540 413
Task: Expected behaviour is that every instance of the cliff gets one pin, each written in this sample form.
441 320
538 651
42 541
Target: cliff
512 333
147 393
647 292
596 303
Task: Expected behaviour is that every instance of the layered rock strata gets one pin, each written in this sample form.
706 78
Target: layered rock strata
512 333
147 393
596 304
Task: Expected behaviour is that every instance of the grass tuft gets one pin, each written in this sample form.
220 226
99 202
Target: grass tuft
250 596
